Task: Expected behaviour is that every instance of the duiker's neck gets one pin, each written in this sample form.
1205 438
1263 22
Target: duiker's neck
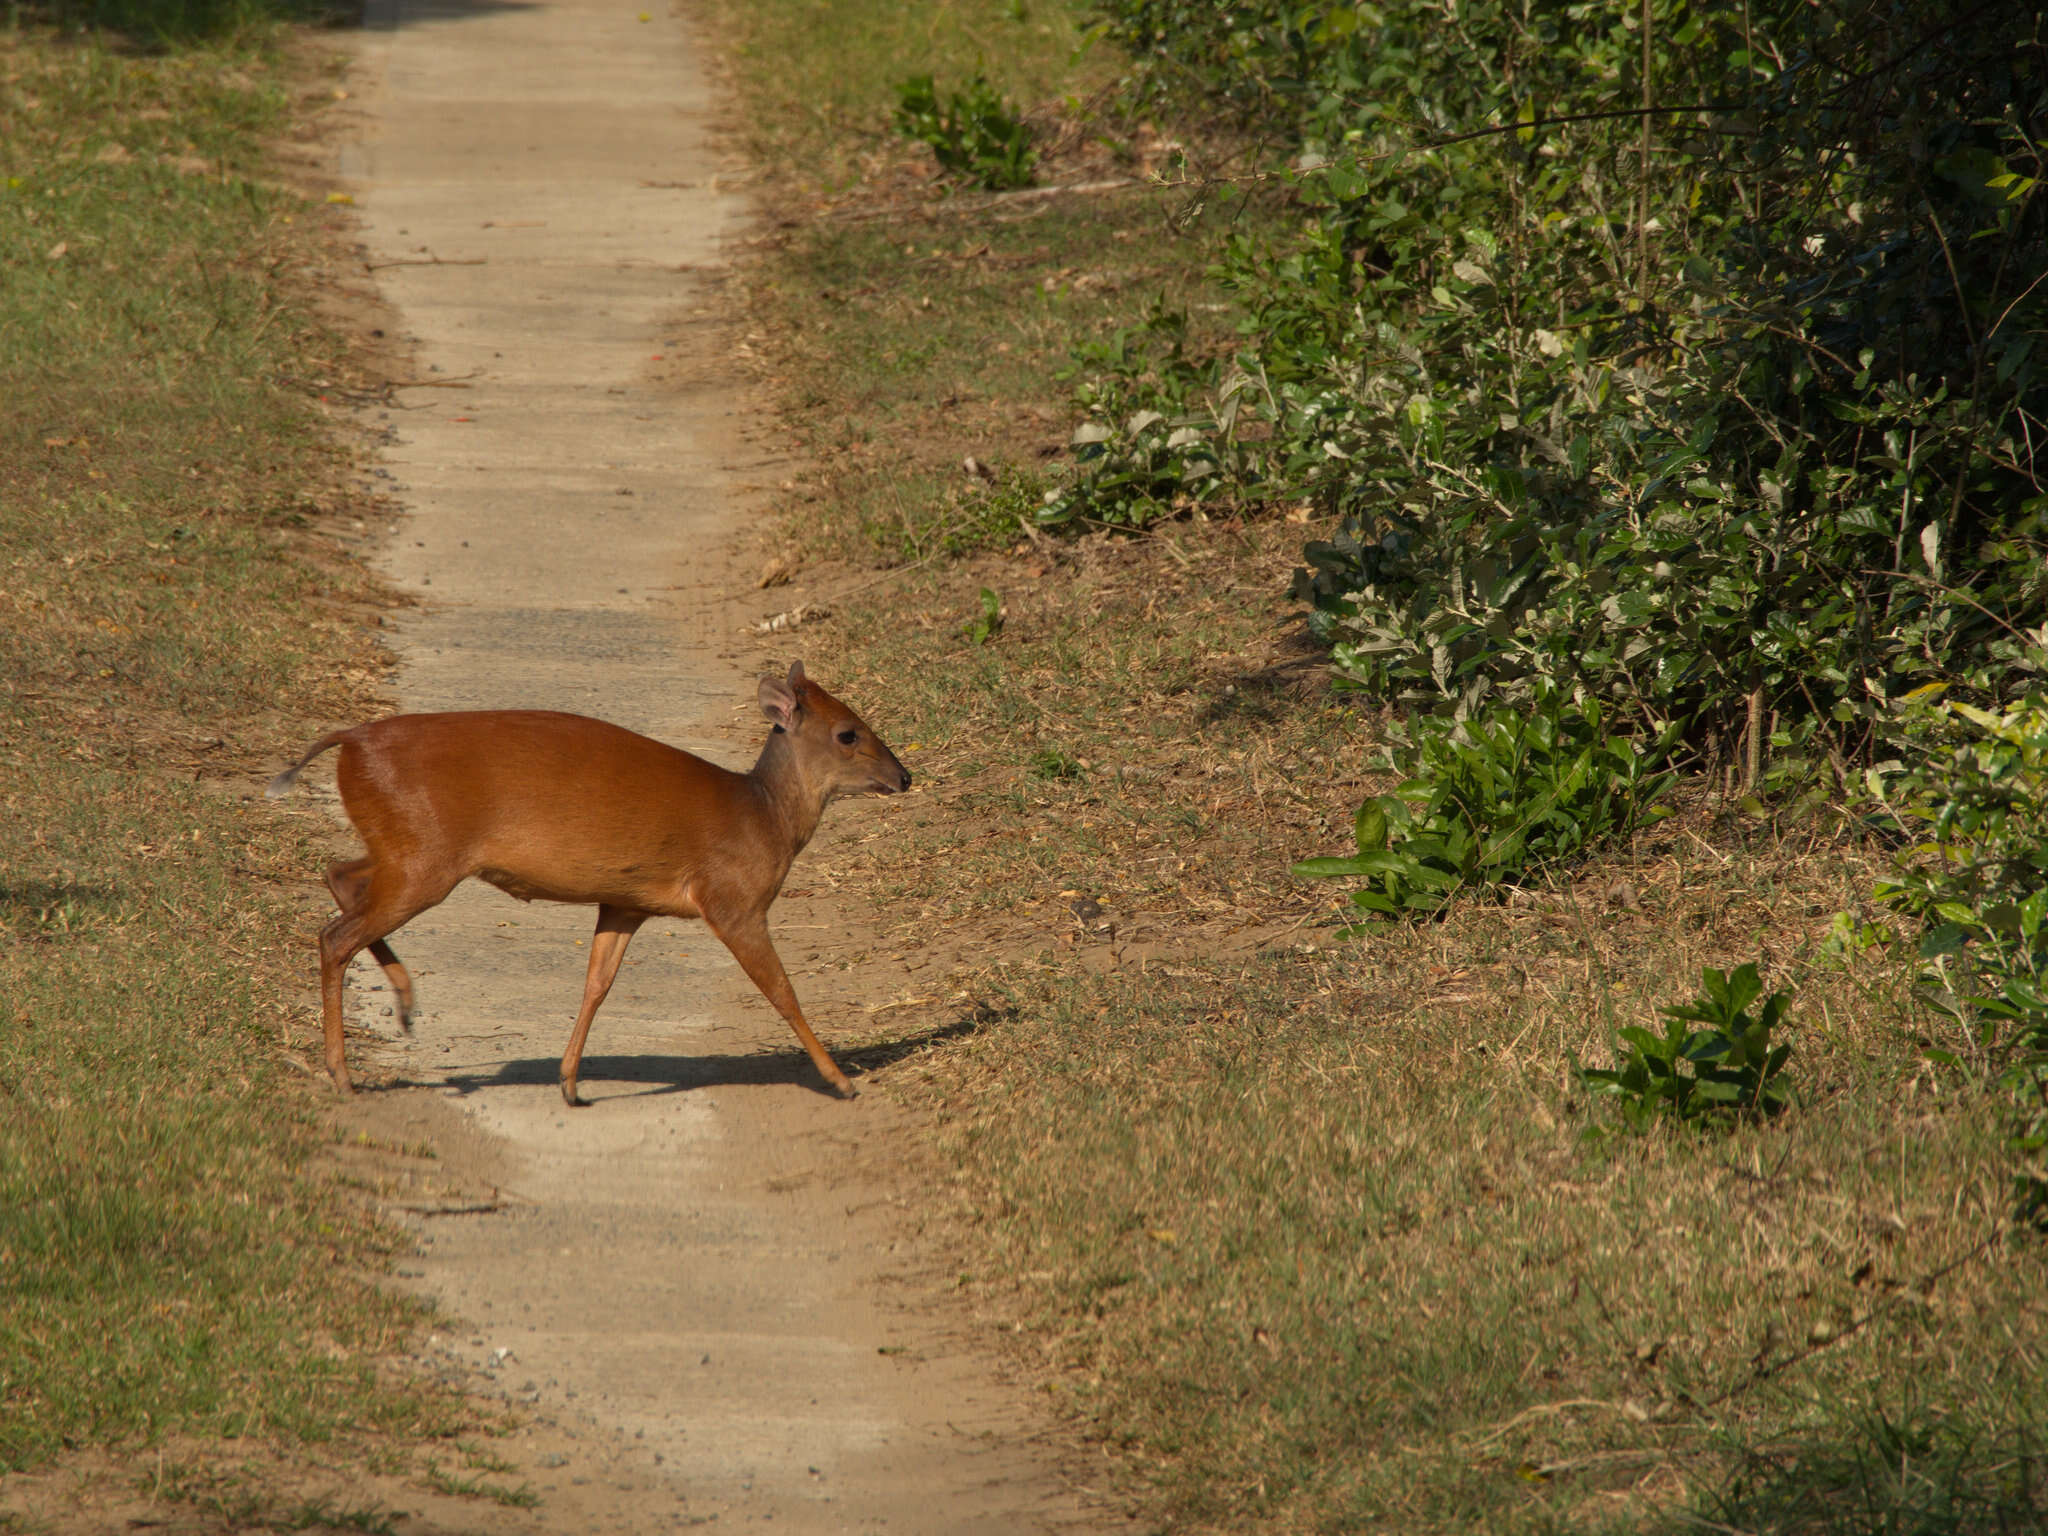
789 797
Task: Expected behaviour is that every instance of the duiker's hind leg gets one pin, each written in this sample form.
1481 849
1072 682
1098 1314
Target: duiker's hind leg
347 879
375 900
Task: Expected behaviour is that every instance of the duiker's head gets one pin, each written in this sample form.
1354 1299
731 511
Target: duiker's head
835 749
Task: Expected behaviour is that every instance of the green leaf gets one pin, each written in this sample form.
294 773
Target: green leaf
1370 826
1329 868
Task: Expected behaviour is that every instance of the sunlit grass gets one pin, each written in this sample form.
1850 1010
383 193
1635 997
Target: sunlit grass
171 1261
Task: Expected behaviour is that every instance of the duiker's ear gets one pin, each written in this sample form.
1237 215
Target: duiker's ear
796 678
779 700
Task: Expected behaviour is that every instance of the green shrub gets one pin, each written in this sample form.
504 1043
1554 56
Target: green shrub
1133 471
1977 881
1976 808
1156 434
1489 803
1718 414
973 133
1728 1068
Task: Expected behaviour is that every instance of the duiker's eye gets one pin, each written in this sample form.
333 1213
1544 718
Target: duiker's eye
849 736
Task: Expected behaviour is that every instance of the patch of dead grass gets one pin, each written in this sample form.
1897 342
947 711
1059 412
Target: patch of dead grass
179 607
1312 1233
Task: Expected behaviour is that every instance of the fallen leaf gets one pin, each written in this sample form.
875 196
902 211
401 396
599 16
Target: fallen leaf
789 618
340 197
56 252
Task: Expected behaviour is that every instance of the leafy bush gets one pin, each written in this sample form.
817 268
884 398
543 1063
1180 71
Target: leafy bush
1154 439
1978 882
1493 800
972 132
1147 466
1720 412
1728 1068
1980 798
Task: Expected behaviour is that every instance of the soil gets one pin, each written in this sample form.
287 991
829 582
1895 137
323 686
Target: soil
704 1297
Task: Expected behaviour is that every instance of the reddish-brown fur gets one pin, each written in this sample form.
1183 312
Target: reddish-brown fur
553 807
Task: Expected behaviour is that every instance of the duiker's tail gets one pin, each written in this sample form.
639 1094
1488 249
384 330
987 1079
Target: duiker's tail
281 786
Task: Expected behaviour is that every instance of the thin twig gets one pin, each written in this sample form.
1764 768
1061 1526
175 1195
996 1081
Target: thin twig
1856 1325
1000 199
470 1208
1962 299
1643 205
886 575
1528 125
2006 313
1541 1410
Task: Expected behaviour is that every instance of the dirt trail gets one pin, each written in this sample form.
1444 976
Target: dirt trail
696 1282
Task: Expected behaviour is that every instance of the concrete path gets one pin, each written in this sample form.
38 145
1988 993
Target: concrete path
694 1270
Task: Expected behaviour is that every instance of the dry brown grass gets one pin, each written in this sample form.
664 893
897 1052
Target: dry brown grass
1311 1230
1311 1233
178 608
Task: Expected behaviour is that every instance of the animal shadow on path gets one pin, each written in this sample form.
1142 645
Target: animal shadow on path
659 1074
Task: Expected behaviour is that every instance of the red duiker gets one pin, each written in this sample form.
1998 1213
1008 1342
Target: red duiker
554 807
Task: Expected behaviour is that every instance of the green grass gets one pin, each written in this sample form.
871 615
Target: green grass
1315 1255
521 1497
166 24
820 76
915 327
171 1264
172 1260
244 1495
943 337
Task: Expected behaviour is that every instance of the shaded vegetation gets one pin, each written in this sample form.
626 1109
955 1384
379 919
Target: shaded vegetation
167 24
1721 413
